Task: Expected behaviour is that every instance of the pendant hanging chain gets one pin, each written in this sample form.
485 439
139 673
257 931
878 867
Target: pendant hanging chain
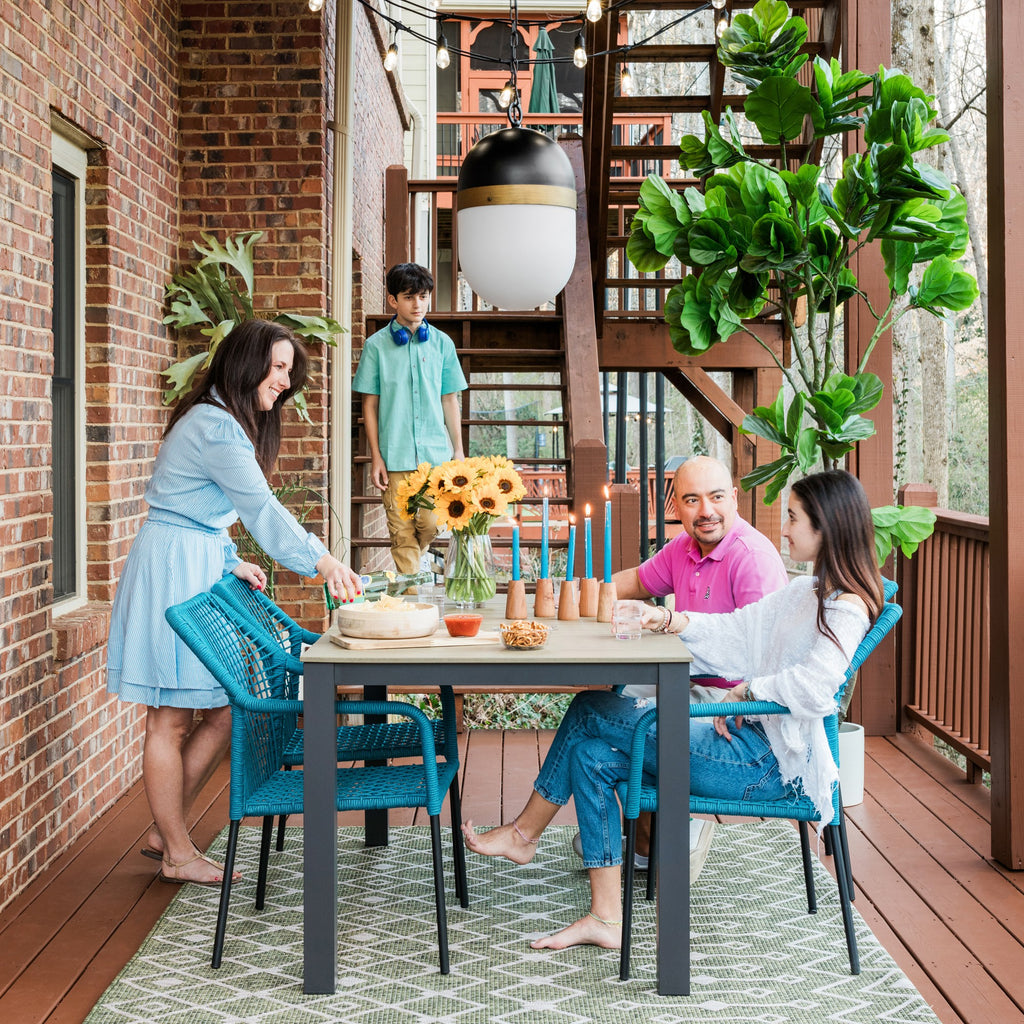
515 109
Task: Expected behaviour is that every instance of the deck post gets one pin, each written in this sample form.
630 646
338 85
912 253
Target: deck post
1005 38
867 43
588 464
396 215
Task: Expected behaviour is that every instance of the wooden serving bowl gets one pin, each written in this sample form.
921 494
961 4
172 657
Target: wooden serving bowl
369 623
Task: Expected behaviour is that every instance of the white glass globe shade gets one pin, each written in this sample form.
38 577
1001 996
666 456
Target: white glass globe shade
517 256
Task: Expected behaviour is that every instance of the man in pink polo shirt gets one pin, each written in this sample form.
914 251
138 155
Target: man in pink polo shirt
719 564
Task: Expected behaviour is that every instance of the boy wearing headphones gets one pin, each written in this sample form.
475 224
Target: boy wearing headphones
410 379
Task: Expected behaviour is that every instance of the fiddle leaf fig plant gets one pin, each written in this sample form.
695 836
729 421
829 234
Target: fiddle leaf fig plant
770 238
215 295
776 238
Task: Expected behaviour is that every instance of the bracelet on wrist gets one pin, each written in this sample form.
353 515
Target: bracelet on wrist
666 618
748 694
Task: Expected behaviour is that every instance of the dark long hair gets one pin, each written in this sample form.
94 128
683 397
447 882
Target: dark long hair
838 509
240 364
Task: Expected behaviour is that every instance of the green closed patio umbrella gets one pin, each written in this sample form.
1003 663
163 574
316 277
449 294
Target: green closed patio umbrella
543 93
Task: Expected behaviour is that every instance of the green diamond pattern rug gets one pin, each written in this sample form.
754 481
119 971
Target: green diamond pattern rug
757 956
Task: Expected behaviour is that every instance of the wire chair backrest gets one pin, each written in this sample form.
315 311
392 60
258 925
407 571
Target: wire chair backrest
253 672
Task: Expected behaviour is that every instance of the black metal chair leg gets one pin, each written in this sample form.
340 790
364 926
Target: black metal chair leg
458 849
627 899
842 869
225 895
652 856
846 849
805 854
261 880
442 914
281 821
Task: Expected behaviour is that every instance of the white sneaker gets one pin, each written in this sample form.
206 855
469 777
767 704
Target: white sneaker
701 832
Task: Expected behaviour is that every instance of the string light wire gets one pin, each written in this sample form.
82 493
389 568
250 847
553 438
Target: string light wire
412 8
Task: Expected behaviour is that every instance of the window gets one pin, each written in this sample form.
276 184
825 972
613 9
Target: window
68 384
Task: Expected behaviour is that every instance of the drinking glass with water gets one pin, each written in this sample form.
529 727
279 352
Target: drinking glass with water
627 620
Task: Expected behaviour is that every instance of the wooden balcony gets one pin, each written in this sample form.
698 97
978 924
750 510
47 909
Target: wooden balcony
950 917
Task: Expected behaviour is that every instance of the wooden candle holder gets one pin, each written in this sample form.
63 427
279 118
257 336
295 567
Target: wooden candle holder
515 600
588 598
544 600
568 605
605 601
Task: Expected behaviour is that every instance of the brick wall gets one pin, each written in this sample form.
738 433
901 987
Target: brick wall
201 116
65 749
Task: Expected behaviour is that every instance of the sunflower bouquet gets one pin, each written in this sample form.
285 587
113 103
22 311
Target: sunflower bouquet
467 496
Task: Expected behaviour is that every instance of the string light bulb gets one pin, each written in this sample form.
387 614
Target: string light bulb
594 11
391 57
722 24
579 52
718 4
625 81
443 58
316 6
506 95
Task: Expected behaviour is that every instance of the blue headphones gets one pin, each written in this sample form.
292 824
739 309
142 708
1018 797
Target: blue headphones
400 335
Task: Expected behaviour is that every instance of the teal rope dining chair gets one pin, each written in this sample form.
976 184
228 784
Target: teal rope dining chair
636 795
376 741
253 672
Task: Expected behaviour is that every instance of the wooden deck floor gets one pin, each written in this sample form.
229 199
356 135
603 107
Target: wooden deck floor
952 919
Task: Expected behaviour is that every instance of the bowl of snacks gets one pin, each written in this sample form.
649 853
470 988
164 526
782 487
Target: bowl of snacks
390 618
523 634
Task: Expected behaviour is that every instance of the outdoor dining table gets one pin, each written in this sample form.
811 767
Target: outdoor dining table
577 653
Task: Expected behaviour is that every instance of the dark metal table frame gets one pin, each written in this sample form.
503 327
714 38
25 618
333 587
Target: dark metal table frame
577 654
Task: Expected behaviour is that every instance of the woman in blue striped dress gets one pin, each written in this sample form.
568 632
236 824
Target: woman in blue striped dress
219 446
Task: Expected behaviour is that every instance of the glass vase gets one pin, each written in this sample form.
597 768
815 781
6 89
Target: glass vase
469 569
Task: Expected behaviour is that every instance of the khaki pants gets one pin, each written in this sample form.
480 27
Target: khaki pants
410 538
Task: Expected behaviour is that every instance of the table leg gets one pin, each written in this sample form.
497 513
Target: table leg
673 830
320 830
375 825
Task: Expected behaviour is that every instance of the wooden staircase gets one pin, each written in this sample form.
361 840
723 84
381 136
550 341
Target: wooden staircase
609 318
557 346
632 335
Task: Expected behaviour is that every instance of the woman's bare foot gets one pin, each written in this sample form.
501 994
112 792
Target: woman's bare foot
503 841
587 931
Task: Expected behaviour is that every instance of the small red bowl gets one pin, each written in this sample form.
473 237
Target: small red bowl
463 624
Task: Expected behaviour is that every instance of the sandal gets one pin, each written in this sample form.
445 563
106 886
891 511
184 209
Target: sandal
148 851
176 867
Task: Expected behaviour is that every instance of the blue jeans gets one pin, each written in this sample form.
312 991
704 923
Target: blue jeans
745 769
590 755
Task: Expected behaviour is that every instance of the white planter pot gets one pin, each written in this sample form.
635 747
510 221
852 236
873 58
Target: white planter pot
851 763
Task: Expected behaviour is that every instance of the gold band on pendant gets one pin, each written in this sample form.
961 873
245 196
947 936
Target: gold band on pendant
517 195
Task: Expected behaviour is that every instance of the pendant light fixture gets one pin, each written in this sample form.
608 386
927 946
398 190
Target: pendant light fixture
516 203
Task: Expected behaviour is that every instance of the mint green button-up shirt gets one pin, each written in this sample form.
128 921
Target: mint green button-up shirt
410 380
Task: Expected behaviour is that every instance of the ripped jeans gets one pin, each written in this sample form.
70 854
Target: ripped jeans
590 755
